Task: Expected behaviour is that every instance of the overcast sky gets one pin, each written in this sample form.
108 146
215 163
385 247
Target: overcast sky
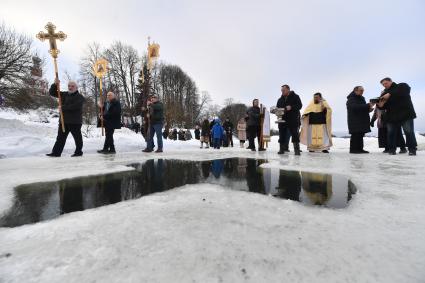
248 49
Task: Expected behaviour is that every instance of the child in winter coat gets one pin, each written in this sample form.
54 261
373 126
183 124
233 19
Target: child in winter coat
217 133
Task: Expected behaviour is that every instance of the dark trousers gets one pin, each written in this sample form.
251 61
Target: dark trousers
155 129
75 130
109 139
229 137
217 143
253 132
383 138
356 142
287 138
286 131
409 131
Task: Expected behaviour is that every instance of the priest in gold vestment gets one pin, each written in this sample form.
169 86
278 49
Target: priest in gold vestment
316 131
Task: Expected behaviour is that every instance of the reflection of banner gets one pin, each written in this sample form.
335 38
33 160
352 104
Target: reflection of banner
317 187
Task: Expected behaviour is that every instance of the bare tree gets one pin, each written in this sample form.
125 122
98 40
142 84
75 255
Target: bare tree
15 59
124 68
233 111
92 53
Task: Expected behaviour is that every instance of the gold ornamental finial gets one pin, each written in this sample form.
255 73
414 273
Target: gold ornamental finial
52 37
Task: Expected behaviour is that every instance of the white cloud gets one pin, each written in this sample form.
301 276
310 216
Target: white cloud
247 49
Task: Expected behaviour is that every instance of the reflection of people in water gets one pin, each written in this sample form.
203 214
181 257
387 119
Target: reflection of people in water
111 190
228 167
152 179
317 187
217 167
158 176
206 167
254 176
241 169
289 185
71 197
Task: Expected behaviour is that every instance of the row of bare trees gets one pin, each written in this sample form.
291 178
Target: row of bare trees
129 78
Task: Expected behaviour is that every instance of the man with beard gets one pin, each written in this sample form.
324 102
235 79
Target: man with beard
72 109
292 104
316 132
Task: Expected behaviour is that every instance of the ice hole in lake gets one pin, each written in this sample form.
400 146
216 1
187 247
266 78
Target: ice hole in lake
43 201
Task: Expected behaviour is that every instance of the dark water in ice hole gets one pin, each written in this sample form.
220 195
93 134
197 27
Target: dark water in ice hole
42 201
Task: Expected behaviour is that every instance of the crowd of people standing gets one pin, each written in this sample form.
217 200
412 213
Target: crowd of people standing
393 113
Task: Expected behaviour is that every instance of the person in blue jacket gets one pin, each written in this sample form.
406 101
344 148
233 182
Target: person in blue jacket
217 133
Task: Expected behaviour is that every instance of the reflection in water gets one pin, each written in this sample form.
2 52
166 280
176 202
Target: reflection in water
43 201
289 185
317 187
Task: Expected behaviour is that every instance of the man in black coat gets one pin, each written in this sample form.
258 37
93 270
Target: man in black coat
72 110
292 104
253 130
400 112
111 121
358 119
228 128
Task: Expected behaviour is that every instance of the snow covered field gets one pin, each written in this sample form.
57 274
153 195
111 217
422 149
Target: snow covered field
231 237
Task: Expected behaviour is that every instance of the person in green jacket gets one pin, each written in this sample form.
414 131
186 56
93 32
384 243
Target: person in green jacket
156 121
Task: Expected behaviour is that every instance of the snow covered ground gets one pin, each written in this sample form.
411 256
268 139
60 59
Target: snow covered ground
231 237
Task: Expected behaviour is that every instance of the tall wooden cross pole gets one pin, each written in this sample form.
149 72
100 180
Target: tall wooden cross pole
153 54
260 138
100 68
54 51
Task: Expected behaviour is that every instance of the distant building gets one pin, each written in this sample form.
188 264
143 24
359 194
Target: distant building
37 85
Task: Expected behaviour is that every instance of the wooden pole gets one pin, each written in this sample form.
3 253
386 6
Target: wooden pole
59 96
261 142
101 106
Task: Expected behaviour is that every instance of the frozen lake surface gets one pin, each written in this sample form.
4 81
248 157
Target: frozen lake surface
209 232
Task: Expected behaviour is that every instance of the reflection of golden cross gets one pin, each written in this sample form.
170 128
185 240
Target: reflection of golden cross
52 37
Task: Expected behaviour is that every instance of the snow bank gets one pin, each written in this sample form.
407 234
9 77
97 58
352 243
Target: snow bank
33 133
232 236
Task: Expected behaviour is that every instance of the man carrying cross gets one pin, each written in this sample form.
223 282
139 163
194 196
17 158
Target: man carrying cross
72 110
70 102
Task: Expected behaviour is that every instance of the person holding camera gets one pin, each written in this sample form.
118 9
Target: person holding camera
400 112
379 116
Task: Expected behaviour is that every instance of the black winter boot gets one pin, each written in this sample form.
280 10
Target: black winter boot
297 148
281 148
